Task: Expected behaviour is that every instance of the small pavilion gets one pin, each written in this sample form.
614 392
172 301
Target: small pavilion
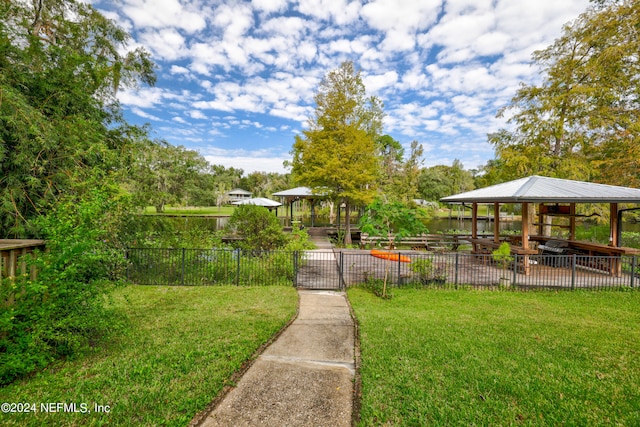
550 197
300 193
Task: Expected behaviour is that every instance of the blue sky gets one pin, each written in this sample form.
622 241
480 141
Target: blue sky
236 78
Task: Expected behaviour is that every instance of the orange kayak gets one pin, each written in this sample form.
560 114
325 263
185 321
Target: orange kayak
390 256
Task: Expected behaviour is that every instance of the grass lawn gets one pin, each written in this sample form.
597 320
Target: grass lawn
181 345
433 357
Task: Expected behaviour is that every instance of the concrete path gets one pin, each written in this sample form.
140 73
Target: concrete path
305 377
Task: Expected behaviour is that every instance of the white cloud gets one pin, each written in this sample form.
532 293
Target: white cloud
164 14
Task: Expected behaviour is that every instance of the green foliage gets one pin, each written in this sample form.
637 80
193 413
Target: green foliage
440 181
337 154
426 271
62 311
581 122
257 227
61 64
164 174
392 220
502 256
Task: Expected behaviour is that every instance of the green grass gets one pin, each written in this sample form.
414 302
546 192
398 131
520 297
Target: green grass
198 210
180 347
431 357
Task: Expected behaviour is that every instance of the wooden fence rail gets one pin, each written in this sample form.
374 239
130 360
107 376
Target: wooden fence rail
11 252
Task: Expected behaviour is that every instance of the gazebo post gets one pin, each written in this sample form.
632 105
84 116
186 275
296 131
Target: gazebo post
496 222
572 221
525 225
474 220
613 221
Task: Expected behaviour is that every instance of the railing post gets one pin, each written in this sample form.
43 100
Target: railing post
399 266
573 271
341 272
634 264
515 270
457 266
295 269
182 271
238 267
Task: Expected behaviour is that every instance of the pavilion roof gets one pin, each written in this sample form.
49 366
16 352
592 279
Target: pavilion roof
259 201
538 189
301 192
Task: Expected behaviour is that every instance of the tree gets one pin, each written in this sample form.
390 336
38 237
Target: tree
337 154
583 120
393 221
165 174
61 63
441 181
399 177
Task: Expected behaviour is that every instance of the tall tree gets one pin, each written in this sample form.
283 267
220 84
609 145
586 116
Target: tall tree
61 63
165 174
583 120
441 181
337 154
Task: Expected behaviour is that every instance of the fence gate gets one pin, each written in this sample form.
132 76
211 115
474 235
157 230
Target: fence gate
319 269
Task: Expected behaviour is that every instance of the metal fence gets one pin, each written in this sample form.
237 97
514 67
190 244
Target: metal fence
153 266
336 270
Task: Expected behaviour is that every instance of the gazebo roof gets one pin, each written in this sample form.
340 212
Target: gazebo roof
537 189
259 201
239 191
297 192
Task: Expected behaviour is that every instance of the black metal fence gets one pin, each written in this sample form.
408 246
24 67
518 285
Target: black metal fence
153 266
335 270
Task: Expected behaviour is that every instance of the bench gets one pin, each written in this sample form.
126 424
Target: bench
429 242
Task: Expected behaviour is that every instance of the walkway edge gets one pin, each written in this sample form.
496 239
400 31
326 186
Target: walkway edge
201 416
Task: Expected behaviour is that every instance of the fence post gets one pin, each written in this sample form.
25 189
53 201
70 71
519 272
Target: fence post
399 266
455 283
341 272
573 271
238 267
634 264
515 270
182 272
295 269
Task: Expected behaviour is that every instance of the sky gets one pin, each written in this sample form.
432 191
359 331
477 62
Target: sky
236 79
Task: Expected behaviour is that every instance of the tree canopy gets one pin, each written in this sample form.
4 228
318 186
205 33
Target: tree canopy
61 63
337 154
583 120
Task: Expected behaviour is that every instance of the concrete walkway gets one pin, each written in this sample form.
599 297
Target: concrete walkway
305 377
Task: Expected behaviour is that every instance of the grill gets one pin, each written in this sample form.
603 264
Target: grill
554 247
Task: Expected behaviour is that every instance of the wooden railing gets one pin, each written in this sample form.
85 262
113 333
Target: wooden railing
12 252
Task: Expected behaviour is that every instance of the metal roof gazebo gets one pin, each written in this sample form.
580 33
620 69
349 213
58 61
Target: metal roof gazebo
548 194
300 193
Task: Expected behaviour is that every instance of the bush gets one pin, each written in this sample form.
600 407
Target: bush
258 228
62 311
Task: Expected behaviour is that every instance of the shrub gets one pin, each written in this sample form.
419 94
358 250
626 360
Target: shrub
258 228
62 311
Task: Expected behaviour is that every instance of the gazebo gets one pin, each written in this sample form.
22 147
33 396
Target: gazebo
553 197
300 193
